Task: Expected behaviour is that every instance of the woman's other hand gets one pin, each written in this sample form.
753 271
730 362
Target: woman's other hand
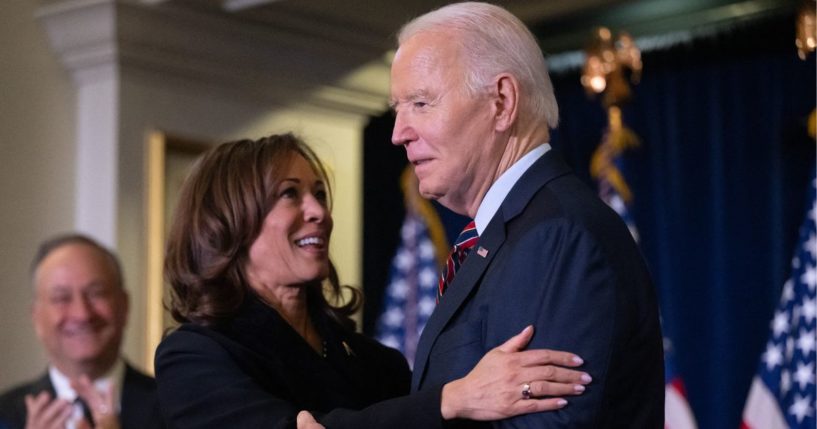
509 381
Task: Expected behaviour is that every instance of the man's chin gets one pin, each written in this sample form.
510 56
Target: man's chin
85 354
428 193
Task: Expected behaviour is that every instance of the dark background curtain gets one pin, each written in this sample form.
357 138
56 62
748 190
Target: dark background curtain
719 183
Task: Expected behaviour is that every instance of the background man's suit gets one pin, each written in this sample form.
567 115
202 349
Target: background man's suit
557 258
140 407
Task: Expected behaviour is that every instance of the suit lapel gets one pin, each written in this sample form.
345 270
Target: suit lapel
545 169
131 400
44 383
464 282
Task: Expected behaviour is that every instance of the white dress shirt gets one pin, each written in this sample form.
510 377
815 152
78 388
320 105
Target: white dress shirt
62 386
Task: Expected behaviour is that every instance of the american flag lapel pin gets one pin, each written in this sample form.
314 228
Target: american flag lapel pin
481 251
348 349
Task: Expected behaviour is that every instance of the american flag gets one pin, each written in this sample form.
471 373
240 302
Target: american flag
608 194
614 191
412 290
677 413
783 391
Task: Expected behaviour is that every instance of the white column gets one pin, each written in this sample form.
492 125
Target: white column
83 35
97 154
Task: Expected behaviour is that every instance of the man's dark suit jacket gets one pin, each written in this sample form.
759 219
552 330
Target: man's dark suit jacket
556 257
255 371
140 409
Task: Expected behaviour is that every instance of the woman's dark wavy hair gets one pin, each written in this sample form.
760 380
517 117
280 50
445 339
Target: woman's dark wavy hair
221 209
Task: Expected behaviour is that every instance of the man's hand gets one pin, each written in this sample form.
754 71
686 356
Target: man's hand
306 421
44 413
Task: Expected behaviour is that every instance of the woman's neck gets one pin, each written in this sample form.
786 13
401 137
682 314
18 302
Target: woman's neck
291 303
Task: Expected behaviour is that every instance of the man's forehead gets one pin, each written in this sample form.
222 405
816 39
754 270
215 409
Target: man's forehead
419 73
74 263
424 52
424 59
55 285
65 280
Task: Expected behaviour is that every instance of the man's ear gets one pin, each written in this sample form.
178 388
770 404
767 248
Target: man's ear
506 101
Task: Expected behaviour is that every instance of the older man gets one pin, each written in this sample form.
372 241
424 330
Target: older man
474 105
79 312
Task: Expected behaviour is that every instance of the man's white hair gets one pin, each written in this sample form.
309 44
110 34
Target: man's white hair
494 41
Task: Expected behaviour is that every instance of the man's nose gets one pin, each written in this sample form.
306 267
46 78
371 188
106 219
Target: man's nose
403 132
80 308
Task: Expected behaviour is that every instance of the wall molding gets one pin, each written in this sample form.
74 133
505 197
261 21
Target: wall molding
253 60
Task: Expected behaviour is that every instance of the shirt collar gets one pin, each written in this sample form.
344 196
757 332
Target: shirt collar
115 376
502 187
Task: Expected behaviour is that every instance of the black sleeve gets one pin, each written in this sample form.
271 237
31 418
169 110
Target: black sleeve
418 410
12 410
201 386
580 300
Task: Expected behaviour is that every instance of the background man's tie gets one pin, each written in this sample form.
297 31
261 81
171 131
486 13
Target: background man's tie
465 241
86 410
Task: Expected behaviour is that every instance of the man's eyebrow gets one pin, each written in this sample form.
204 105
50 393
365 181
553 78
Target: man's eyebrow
420 93
412 96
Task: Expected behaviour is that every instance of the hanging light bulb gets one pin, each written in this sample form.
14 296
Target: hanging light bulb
593 77
599 62
606 62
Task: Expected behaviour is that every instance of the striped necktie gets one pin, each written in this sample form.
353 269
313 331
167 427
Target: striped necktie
465 241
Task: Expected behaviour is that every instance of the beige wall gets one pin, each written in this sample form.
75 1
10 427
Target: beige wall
40 185
36 174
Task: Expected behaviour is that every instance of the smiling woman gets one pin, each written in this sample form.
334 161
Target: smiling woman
238 232
295 232
249 269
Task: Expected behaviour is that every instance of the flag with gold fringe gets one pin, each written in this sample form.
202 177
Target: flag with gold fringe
411 293
613 190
